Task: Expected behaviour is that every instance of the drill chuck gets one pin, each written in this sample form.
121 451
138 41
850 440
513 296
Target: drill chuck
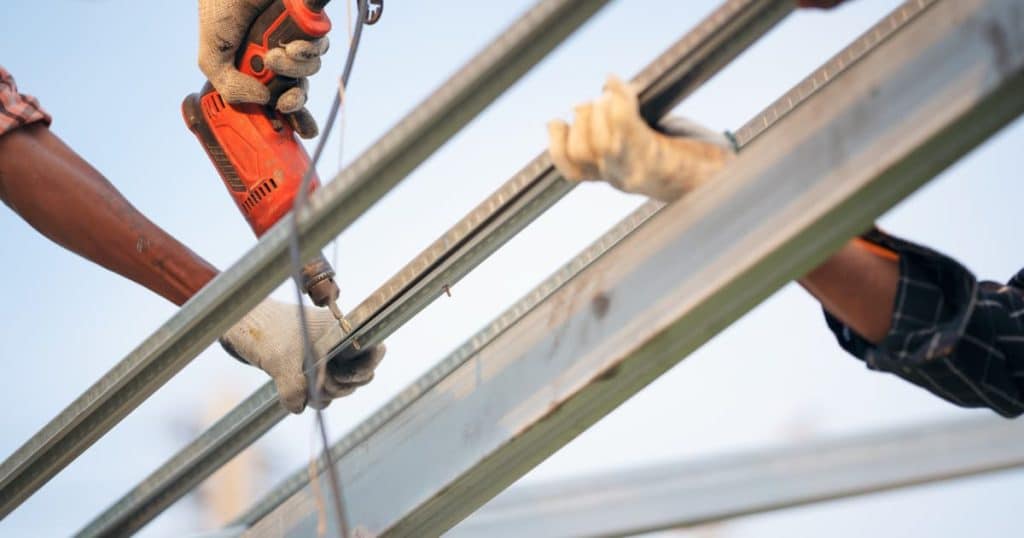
318 282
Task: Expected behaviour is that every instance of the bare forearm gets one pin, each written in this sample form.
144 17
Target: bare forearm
858 286
67 200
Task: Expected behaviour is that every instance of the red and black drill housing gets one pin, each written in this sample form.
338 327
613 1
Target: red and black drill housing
254 147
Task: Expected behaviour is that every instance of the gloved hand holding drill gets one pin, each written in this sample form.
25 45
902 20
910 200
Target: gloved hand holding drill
223 25
70 202
270 337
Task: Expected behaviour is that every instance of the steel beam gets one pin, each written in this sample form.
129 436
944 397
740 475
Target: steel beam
684 494
675 74
909 106
329 211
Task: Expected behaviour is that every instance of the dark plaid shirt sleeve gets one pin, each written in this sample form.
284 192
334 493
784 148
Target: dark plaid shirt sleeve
959 338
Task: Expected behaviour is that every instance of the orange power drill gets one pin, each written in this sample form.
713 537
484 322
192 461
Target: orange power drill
254 147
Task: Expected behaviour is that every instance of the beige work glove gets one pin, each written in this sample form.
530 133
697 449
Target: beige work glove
610 141
268 338
223 25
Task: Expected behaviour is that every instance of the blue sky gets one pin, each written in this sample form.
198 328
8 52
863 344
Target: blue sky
113 73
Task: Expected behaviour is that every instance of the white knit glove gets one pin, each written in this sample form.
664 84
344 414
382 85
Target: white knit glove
610 141
223 25
268 338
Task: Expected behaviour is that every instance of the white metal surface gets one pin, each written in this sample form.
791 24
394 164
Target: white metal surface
693 492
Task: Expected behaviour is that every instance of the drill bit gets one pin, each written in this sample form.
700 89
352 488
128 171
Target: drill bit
346 327
343 322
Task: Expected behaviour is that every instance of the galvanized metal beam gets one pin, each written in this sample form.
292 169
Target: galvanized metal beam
572 351
675 74
634 501
329 211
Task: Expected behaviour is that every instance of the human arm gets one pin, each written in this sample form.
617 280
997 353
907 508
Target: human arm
70 202
63 197
609 141
900 307
960 338
871 270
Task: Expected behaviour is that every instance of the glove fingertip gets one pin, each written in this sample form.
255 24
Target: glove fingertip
611 80
621 89
557 130
292 397
305 50
294 408
614 83
342 391
292 100
558 134
304 124
583 111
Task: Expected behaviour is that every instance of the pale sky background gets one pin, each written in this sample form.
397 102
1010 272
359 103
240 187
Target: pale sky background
113 73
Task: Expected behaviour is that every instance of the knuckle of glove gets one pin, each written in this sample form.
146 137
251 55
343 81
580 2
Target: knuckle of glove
303 123
581 153
340 391
558 134
236 87
290 381
306 50
355 378
579 147
356 371
333 389
209 66
292 395
279 61
292 100
621 113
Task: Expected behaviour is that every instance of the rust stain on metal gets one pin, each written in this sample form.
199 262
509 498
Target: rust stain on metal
556 314
608 374
600 304
553 408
